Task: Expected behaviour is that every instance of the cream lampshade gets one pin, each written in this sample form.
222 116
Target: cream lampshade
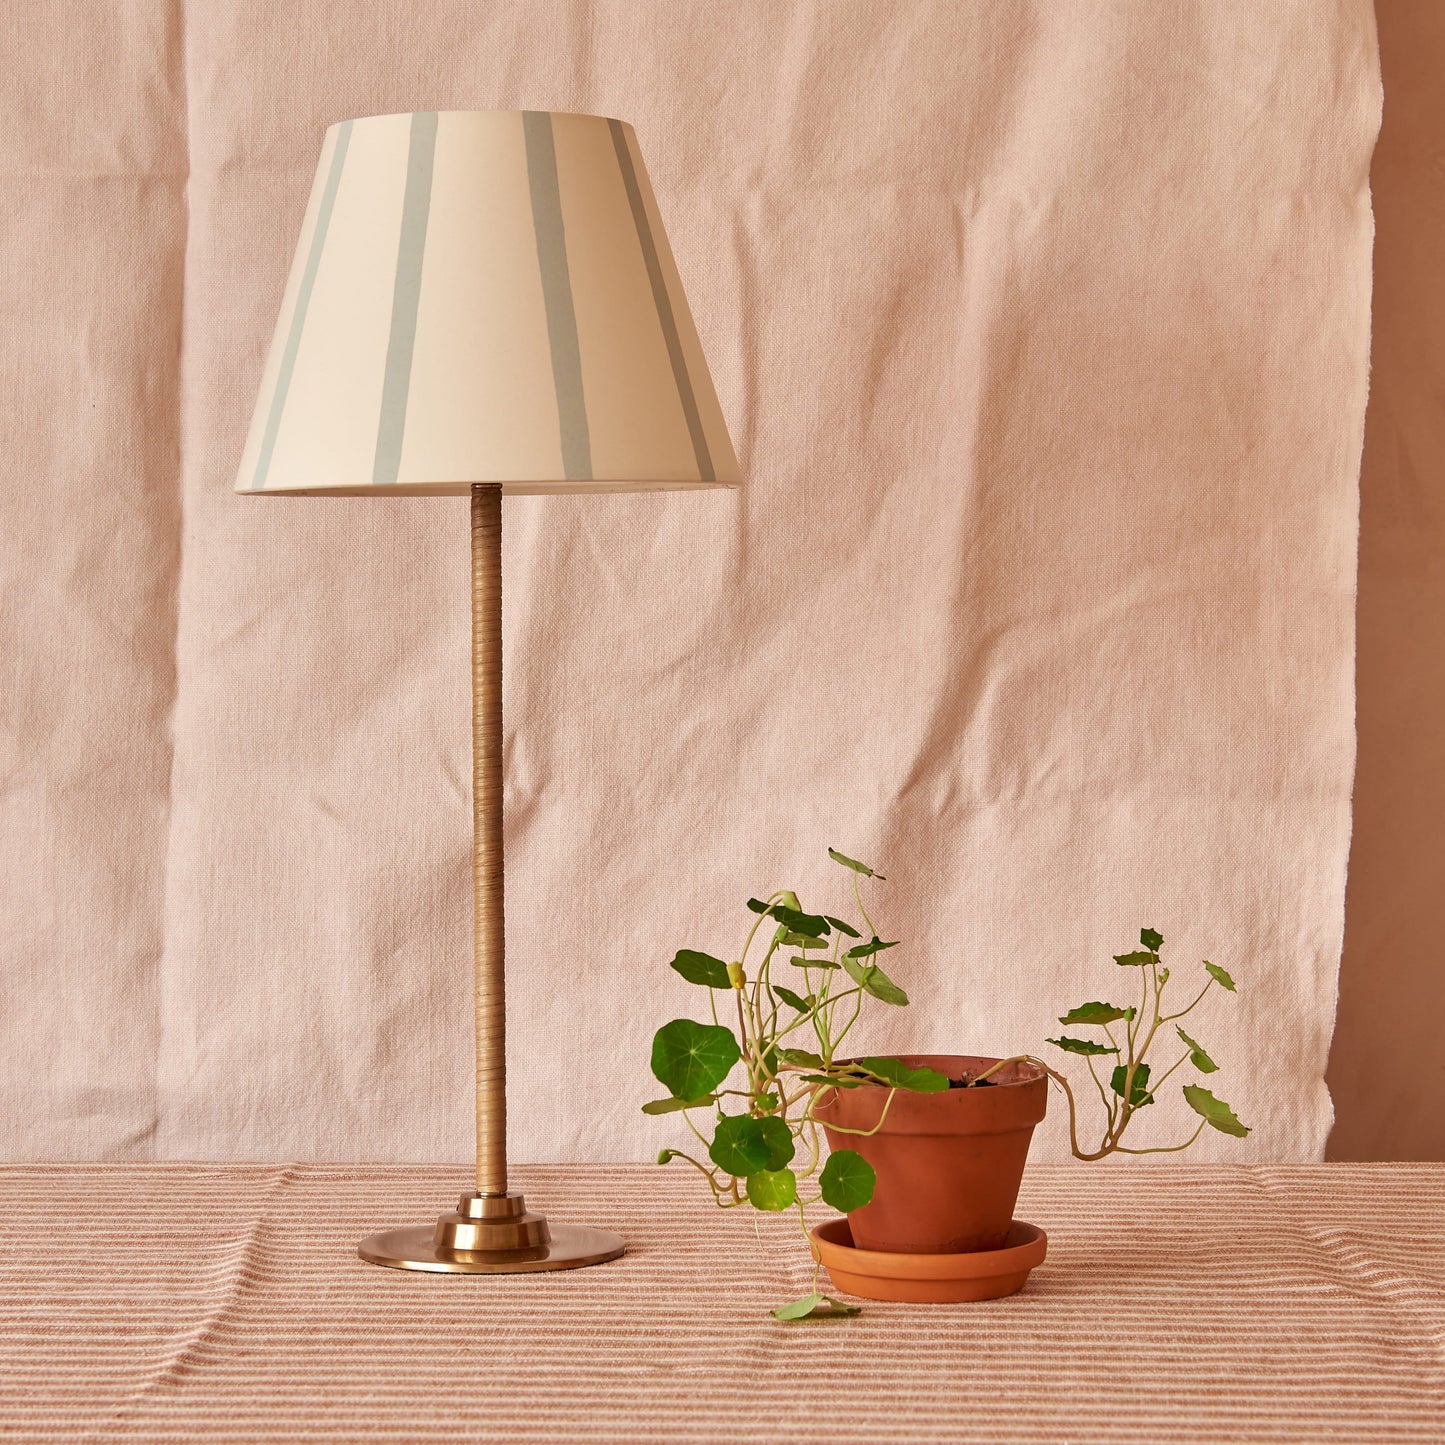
484 296
484 302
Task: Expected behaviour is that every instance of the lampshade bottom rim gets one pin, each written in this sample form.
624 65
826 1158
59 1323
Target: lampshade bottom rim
509 489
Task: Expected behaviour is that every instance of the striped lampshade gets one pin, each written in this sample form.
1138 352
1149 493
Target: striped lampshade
484 296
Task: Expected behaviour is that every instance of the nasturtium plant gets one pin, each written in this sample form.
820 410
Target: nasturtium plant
780 1011
747 1083
1129 1033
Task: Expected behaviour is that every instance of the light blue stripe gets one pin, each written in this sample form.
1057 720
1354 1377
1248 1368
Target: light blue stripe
411 245
663 302
303 300
557 294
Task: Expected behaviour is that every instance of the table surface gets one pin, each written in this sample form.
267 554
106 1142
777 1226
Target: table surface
226 1302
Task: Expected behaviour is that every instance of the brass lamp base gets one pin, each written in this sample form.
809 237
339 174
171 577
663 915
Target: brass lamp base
491 1234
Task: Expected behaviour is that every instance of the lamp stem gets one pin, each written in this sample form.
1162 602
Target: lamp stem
487 884
491 1231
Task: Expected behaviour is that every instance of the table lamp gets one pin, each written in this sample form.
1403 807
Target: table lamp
484 303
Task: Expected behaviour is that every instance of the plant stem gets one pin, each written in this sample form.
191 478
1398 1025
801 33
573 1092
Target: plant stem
1137 1057
995 1067
717 1192
858 894
1063 1083
743 1039
1103 1093
808 1017
862 1133
1159 1082
1169 1018
857 1009
1165 1148
809 1125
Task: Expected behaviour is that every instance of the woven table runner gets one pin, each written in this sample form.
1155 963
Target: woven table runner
226 1302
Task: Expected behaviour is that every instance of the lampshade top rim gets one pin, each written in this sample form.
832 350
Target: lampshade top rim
406 114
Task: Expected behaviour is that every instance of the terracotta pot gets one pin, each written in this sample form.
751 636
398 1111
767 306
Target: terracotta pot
949 1165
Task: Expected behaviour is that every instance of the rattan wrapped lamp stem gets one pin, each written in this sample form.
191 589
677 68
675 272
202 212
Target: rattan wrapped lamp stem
489 941
492 1231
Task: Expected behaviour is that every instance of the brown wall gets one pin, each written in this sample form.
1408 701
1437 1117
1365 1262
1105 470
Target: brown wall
1387 1067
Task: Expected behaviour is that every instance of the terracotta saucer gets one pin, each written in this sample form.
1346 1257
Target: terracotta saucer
929 1278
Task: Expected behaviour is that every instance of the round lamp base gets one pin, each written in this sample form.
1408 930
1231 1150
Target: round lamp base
570 1247
491 1236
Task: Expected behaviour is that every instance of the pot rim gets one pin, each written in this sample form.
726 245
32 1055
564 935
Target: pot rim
1015 1105
1036 1072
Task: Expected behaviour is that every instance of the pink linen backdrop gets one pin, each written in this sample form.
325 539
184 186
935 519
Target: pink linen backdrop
1042 334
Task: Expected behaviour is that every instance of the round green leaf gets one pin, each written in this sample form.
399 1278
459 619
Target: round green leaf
854 864
815 925
1096 1013
1152 939
847 1180
793 1000
672 1106
786 939
1139 1094
691 1059
900 1076
701 968
739 1146
778 1139
772 1190
867 950
800 1057
872 980
1214 1111
1197 1056
1136 960
1219 975
1081 1046
815 1307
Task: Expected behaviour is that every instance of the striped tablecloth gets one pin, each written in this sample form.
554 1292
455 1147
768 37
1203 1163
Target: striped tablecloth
188 1302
